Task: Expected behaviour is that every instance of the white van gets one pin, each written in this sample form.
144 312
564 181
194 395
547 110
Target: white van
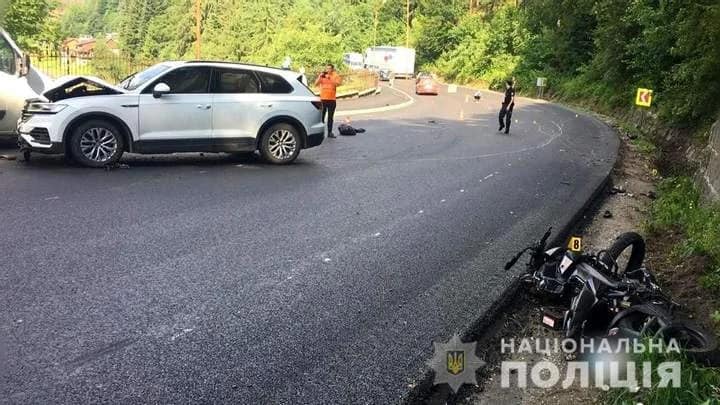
18 82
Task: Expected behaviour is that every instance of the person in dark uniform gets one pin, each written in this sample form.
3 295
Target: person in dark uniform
508 104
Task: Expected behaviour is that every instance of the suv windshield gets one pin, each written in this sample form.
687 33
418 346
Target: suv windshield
136 80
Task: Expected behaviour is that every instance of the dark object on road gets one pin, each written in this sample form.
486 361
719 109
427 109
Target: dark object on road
607 214
348 130
508 104
8 157
384 75
601 298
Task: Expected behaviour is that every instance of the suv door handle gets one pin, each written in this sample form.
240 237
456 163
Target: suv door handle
266 105
203 107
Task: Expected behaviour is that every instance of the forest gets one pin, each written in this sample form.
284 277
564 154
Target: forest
599 50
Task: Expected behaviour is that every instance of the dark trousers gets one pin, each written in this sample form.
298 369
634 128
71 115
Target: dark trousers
329 109
505 116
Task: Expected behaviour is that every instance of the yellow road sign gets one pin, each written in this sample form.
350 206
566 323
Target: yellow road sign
575 244
644 97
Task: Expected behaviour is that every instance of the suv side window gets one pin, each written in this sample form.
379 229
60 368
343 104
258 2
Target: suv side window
235 81
274 84
7 57
185 80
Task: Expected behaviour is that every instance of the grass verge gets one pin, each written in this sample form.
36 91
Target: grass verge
698 385
679 207
692 231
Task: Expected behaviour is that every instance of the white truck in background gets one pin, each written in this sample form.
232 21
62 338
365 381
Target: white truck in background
354 60
400 61
18 82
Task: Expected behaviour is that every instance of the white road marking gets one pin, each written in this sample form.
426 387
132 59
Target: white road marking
52 198
488 176
177 335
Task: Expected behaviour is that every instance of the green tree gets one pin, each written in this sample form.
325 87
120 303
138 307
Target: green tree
105 63
29 22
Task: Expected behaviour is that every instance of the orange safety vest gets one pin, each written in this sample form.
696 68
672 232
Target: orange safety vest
328 86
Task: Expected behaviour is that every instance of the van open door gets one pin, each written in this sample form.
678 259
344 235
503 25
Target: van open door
18 82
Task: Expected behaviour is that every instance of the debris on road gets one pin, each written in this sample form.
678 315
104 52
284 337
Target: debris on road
8 157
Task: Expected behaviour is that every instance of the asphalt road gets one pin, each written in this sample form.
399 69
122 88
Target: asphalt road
215 279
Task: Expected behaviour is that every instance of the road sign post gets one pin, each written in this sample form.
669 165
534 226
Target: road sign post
643 99
541 83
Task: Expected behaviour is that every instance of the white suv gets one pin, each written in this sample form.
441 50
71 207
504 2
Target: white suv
176 107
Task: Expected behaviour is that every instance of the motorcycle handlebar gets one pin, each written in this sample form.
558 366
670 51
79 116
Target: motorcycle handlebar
514 260
511 263
539 247
545 237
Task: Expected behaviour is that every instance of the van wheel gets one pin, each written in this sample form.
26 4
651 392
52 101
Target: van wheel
280 144
96 143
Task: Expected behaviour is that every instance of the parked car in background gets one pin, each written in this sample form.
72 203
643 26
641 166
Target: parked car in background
426 84
18 82
176 107
384 75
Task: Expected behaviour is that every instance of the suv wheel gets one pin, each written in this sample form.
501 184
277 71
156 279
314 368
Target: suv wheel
96 143
280 144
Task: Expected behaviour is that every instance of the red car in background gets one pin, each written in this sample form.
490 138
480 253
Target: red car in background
426 84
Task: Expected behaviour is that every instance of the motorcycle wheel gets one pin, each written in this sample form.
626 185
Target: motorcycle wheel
631 240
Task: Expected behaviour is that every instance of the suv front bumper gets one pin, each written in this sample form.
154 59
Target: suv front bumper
27 142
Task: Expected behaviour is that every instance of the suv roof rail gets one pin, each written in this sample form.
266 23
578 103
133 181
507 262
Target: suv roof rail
233 63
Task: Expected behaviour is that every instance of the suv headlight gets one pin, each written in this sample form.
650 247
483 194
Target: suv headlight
45 108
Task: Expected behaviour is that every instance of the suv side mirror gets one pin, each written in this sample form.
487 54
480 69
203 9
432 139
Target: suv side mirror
160 89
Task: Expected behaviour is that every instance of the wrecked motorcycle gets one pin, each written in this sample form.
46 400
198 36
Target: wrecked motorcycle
599 296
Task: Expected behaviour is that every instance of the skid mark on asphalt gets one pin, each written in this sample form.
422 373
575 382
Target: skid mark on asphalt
89 357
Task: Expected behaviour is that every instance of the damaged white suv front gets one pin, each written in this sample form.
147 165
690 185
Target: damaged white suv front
45 121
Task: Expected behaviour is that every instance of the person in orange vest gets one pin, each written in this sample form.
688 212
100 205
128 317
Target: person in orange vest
328 81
